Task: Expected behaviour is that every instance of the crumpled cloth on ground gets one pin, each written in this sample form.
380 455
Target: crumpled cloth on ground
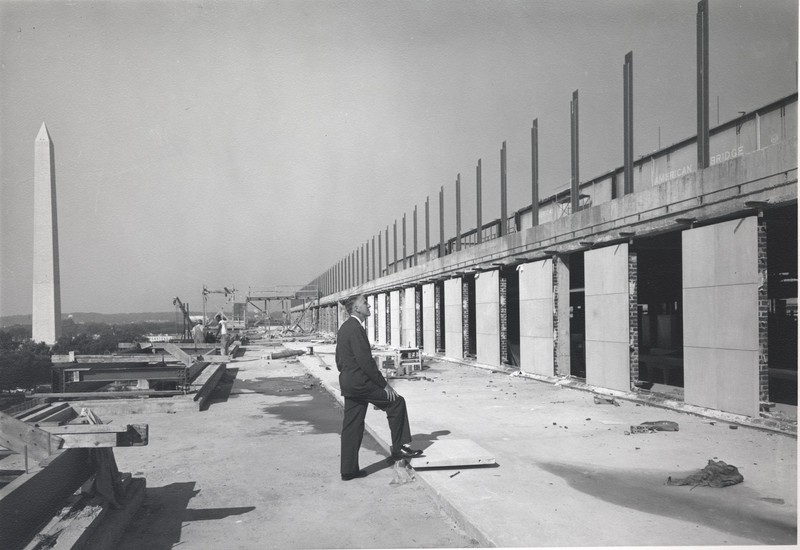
715 474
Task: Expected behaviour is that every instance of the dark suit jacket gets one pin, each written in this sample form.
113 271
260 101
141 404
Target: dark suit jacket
358 373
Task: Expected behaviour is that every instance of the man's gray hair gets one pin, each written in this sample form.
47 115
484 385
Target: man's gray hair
350 303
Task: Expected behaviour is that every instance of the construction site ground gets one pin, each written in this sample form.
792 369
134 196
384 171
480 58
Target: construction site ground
260 467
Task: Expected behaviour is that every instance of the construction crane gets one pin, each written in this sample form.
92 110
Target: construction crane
187 320
230 294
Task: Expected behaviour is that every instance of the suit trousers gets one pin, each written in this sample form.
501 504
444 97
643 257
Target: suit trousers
355 410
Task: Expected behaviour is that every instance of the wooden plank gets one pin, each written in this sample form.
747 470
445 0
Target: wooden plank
195 369
63 415
32 499
31 410
178 353
89 441
101 435
44 413
126 358
454 453
210 376
110 394
18 436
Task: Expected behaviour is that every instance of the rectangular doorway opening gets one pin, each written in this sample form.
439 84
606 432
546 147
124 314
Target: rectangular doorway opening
510 325
782 295
438 306
577 316
470 324
660 313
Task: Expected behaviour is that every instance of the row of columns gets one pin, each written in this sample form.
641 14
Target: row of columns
724 347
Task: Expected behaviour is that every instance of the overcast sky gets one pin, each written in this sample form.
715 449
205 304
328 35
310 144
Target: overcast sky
253 144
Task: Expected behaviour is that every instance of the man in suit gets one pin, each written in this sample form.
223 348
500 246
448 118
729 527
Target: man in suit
362 383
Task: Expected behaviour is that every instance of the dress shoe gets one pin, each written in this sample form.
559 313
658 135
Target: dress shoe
405 452
355 475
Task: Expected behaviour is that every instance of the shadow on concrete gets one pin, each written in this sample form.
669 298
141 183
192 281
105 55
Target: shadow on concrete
423 441
157 525
726 509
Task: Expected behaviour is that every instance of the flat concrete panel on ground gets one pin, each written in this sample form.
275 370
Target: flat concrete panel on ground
428 319
487 317
453 323
722 380
536 317
454 453
380 318
395 315
720 316
607 317
409 328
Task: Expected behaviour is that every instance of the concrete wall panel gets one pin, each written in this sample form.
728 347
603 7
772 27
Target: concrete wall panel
380 318
453 337
722 379
428 319
395 315
370 322
536 317
730 327
487 317
714 264
720 316
607 318
409 319
611 356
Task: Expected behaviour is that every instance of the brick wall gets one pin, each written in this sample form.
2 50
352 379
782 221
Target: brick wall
464 317
633 313
763 313
504 358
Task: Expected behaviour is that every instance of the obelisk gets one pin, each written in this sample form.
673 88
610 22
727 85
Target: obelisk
46 281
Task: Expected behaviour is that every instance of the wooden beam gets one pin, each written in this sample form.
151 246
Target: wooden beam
178 353
206 382
110 394
32 499
22 437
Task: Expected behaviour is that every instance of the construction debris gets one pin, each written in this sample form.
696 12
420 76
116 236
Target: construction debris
715 474
603 400
656 426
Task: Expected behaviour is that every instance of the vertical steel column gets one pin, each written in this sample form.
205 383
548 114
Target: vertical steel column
380 256
535 173
387 249
627 122
441 222
458 212
405 252
503 193
395 246
427 228
702 85
362 274
374 273
414 261
575 183
479 201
